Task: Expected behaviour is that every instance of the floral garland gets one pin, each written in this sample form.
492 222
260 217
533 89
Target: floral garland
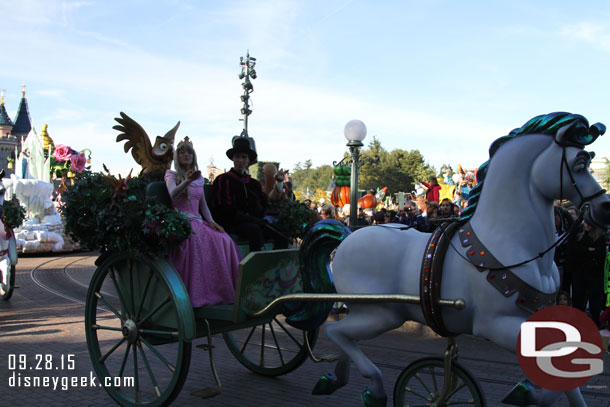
114 215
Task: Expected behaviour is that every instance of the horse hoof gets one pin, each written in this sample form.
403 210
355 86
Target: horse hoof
518 394
326 385
368 400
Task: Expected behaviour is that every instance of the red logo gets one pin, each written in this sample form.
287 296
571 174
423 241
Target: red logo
559 348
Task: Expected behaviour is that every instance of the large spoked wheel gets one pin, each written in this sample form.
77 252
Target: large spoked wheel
139 326
7 279
270 349
421 384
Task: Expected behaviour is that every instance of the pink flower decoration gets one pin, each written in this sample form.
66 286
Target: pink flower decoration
78 162
62 153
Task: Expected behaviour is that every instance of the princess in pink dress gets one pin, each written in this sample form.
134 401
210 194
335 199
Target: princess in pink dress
208 260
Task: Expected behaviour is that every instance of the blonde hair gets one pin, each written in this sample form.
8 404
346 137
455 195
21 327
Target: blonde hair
181 172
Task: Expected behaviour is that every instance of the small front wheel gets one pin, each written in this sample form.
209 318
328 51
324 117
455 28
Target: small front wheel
421 384
7 279
270 349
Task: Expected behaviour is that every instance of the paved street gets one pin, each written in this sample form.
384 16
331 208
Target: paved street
46 317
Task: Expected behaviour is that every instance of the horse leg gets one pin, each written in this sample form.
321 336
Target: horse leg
363 322
503 331
330 382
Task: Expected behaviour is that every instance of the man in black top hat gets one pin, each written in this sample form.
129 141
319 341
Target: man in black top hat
238 202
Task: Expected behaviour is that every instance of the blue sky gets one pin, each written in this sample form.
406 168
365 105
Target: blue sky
444 77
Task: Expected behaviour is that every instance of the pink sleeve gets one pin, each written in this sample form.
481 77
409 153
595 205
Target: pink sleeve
169 174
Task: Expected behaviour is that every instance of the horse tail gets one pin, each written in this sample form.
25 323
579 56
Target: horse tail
318 244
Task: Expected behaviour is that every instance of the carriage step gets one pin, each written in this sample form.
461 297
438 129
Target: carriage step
207 392
206 347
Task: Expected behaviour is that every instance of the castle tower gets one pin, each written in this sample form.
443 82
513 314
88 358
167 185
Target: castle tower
6 125
7 141
23 122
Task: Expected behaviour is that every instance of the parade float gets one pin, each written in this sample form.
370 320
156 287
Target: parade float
41 175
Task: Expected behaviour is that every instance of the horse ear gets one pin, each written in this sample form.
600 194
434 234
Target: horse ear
564 134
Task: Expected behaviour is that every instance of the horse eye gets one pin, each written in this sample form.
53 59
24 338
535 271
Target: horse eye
579 166
163 146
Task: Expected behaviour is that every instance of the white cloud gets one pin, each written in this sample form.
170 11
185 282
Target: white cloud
596 34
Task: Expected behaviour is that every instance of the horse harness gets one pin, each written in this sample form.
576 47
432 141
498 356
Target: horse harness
505 281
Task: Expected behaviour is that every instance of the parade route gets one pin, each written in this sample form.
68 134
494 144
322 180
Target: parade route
43 325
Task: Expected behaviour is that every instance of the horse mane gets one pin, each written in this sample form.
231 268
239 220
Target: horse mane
547 124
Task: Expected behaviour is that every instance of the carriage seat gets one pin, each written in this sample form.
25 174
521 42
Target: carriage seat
158 191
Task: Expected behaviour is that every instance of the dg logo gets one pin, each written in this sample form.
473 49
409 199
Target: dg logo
560 348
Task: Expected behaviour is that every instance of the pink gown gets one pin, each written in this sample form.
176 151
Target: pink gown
208 260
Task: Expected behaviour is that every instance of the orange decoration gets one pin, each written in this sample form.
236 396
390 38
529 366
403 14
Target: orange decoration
340 196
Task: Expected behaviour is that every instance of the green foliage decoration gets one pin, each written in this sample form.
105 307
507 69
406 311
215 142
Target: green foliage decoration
14 214
294 216
119 217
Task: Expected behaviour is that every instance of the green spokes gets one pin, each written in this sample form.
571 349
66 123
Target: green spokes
162 358
109 306
277 345
103 358
157 308
149 370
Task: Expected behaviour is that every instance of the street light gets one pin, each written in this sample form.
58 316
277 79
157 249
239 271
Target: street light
355 132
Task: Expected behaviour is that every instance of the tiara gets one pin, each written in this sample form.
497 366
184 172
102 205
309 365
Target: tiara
185 143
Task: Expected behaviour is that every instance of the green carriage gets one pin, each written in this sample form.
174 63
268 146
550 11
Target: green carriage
140 324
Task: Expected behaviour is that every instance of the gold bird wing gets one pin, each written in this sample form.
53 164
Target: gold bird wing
155 160
137 140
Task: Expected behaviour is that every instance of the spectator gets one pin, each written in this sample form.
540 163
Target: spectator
445 208
389 216
563 223
432 194
327 211
589 251
379 218
563 298
413 219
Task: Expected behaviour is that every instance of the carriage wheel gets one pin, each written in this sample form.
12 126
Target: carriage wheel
421 383
270 349
7 279
139 326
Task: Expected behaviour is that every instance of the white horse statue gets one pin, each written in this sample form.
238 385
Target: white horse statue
509 218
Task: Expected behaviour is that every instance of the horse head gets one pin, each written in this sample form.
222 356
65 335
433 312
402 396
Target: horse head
574 181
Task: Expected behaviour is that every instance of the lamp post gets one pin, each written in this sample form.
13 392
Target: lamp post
355 132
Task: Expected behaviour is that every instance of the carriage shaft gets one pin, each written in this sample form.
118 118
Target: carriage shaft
354 299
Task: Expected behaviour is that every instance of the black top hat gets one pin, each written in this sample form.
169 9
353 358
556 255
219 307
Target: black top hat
242 145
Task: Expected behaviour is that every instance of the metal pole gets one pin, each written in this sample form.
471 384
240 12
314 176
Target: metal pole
354 149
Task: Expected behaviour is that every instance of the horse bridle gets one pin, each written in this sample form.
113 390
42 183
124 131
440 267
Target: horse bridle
564 161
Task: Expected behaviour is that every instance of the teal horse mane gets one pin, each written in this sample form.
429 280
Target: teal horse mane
547 124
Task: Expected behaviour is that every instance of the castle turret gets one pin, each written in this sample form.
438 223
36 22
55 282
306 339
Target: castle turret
23 122
8 142
6 125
